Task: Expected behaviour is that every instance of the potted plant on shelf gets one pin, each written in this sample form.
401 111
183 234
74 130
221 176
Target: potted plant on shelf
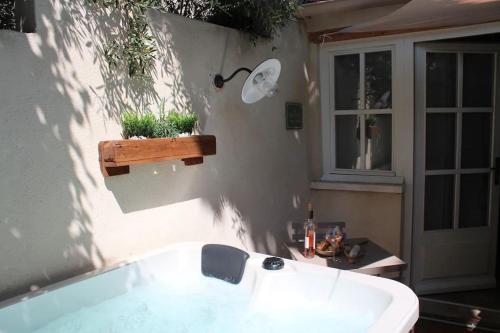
137 125
149 138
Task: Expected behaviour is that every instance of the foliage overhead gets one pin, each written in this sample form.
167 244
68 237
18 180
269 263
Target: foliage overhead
135 47
194 9
7 19
260 18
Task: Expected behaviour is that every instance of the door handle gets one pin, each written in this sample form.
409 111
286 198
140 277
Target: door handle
496 170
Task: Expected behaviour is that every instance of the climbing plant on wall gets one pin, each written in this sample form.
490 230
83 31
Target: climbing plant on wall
7 20
135 47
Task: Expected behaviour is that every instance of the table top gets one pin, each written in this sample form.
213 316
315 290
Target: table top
375 261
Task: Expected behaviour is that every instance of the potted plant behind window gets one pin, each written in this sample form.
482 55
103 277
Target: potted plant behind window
371 129
149 139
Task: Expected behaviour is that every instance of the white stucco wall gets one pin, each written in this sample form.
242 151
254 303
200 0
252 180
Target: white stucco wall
60 217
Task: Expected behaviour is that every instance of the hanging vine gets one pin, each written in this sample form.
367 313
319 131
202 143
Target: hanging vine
135 48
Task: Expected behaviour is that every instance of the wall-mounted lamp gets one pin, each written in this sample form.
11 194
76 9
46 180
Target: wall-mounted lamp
262 81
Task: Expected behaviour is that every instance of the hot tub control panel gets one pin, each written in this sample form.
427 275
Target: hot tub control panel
273 263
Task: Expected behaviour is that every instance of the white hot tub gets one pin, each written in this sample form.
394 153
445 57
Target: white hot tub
166 292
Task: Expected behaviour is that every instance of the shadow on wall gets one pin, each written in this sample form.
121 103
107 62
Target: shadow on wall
257 182
43 206
259 175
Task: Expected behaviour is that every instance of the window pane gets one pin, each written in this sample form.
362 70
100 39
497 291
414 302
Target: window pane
440 141
347 82
474 200
476 137
478 80
378 80
438 212
441 80
347 142
378 142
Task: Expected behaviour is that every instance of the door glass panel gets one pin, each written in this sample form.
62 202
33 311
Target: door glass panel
440 141
441 87
378 142
478 80
474 200
378 80
347 82
476 140
438 211
347 142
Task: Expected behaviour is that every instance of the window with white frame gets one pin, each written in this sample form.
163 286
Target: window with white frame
361 111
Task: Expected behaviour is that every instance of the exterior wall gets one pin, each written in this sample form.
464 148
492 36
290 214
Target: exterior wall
377 216
373 215
367 214
58 215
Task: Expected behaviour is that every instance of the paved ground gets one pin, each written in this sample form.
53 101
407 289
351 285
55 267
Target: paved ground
489 298
426 326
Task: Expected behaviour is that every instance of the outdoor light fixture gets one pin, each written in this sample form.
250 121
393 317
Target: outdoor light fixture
262 81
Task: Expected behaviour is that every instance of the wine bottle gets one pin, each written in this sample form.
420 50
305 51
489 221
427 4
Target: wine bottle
310 235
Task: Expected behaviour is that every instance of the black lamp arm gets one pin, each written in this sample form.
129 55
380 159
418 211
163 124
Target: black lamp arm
219 79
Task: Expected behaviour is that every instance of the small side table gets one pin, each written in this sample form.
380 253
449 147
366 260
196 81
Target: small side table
376 260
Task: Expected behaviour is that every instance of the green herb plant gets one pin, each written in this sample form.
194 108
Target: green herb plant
165 128
138 124
166 125
184 123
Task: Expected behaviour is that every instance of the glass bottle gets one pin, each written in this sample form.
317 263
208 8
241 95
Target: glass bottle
310 235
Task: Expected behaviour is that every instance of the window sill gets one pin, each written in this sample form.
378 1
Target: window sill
366 178
357 187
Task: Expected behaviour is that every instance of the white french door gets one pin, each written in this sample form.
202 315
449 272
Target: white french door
456 180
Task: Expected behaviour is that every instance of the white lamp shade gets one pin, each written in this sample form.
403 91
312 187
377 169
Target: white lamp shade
261 82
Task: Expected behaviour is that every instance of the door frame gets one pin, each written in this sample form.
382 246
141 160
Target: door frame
453 283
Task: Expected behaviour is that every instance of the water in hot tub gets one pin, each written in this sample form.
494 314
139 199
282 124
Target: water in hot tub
220 308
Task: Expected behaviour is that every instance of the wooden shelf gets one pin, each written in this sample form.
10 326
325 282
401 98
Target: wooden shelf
116 156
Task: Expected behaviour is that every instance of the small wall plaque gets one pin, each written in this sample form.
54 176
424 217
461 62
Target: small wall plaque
293 115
